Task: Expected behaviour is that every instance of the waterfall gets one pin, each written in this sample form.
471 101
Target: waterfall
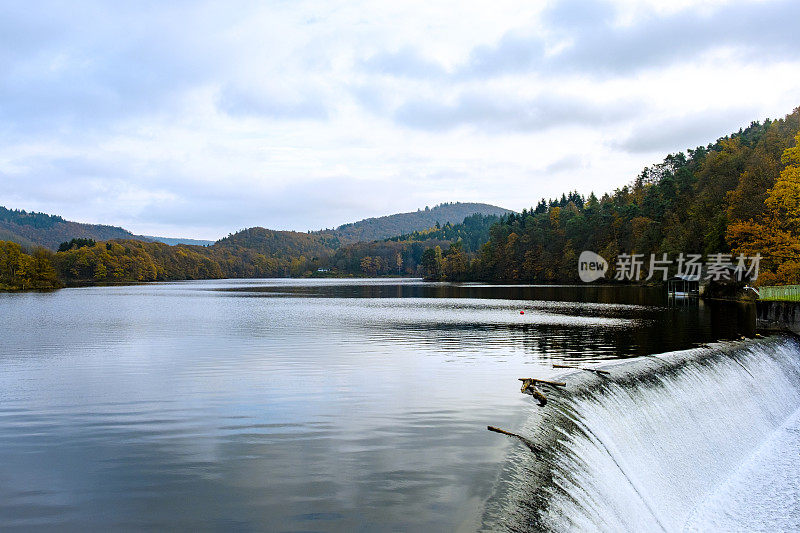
656 444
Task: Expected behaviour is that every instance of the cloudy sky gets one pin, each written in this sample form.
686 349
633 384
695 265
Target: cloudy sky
200 118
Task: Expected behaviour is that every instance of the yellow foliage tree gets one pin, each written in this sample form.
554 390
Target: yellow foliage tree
777 236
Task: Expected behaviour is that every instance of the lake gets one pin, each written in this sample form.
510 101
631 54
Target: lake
294 405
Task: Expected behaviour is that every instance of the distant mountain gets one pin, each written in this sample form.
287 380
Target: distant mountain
31 229
8 235
279 244
373 229
473 232
173 241
101 253
38 229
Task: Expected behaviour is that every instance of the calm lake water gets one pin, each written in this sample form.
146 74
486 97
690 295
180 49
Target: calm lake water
293 405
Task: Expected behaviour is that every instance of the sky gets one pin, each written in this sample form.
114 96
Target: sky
197 119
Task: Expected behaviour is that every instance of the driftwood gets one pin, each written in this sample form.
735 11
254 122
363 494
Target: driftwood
595 370
544 382
529 387
526 442
536 393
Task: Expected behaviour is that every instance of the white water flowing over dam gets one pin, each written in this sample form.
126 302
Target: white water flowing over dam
699 440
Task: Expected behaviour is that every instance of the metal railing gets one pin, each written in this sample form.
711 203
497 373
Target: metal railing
790 293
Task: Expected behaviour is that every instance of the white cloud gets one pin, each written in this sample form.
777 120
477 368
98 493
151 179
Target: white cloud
198 118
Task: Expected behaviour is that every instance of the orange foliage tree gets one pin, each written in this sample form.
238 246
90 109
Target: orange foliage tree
777 235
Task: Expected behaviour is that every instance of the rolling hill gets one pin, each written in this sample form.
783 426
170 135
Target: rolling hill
287 244
31 229
172 241
279 244
38 229
373 229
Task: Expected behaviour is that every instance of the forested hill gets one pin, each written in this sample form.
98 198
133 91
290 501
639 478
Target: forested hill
473 232
250 253
280 244
30 228
739 195
373 229
173 241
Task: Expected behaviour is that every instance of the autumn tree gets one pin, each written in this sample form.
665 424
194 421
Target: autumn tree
777 236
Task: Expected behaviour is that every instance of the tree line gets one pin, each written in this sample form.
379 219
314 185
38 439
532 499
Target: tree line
473 232
84 261
22 271
740 195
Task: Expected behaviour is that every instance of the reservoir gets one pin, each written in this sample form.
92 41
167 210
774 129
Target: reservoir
362 405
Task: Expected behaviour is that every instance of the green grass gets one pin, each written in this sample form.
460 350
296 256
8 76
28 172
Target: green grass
786 293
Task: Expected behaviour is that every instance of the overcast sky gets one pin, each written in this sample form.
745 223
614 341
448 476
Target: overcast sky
197 119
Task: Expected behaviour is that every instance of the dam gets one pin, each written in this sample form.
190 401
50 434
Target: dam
705 439
362 405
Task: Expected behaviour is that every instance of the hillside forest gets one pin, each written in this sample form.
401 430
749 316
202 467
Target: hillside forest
739 195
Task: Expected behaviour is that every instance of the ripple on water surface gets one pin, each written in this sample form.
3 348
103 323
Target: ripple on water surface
288 404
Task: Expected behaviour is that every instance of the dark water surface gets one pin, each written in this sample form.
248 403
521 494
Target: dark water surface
293 405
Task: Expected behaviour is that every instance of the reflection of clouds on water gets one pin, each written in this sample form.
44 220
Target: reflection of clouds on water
287 404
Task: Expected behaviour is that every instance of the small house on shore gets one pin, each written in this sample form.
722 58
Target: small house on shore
683 286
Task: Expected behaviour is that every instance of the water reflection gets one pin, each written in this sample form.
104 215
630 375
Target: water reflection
292 404
628 321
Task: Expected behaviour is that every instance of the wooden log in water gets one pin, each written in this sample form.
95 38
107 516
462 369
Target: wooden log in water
525 441
595 370
529 387
539 395
544 381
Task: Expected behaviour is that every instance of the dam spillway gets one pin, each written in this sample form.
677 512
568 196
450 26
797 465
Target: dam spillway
705 439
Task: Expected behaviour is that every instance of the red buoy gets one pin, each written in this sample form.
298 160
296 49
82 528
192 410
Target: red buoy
522 312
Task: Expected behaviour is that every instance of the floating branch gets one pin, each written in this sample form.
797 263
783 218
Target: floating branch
544 382
595 370
536 393
525 441
529 387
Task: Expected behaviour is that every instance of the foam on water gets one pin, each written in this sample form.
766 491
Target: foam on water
764 494
703 439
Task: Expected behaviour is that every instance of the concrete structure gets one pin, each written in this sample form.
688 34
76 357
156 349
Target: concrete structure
778 316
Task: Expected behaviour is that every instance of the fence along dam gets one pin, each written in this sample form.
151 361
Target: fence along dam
706 439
